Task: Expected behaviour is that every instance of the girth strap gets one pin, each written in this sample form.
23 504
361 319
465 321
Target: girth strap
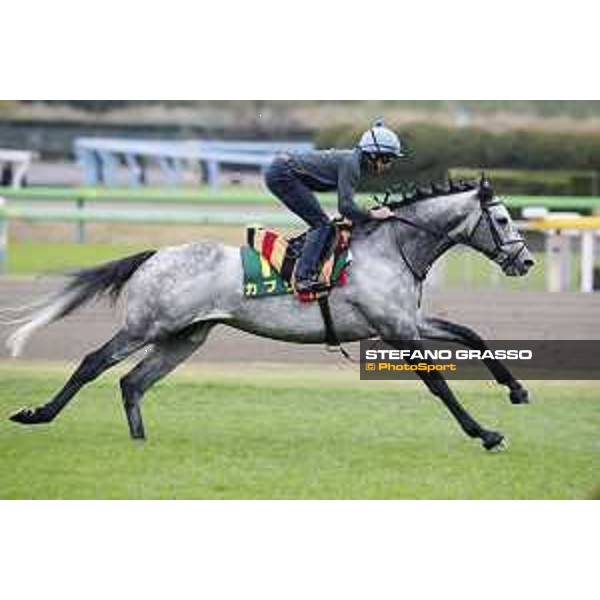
331 338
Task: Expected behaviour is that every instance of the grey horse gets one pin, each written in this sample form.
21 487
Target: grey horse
176 295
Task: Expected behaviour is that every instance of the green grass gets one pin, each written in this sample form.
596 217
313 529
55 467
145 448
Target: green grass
463 267
33 258
306 433
240 195
226 194
466 268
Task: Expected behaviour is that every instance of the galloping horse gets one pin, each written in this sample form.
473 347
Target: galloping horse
176 295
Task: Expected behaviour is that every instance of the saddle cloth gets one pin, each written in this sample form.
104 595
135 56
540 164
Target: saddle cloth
269 261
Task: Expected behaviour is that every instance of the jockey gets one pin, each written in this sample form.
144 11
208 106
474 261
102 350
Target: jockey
293 178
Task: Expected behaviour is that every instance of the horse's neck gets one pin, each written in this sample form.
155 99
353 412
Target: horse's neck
419 235
419 247
399 243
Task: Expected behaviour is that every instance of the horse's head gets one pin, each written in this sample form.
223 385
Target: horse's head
427 224
489 229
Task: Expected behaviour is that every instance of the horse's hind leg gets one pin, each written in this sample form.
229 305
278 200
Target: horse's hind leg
94 364
439 329
165 356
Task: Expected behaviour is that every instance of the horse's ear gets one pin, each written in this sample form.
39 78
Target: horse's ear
485 192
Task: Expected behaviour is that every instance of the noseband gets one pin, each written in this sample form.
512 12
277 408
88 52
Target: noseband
499 255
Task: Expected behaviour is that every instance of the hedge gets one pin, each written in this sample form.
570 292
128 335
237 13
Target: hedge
537 183
432 150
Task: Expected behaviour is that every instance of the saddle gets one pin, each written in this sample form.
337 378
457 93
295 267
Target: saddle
269 261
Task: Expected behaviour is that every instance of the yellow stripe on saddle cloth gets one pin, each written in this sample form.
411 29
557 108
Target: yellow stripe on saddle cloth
281 254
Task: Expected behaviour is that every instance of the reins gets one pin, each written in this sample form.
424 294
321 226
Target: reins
442 235
331 338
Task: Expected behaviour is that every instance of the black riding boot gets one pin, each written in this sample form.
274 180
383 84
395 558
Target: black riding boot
308 264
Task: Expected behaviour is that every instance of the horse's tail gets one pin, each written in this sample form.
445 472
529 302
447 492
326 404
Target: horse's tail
85 285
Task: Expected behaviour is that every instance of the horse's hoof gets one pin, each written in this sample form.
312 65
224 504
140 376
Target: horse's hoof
502 446
494 442
23 416
519 396
27 416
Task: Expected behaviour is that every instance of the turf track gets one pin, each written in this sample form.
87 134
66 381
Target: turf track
275 432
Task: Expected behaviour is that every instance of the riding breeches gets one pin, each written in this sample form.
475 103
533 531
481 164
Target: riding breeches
301 200
294 193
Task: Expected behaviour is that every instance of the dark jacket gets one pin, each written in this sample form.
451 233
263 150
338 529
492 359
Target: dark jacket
328 170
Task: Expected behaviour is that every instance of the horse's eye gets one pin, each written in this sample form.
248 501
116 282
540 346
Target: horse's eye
502 221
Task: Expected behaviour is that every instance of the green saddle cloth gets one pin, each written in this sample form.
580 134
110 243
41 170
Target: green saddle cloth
260 278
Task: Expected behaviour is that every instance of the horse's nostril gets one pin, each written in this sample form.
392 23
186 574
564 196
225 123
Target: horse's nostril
529 262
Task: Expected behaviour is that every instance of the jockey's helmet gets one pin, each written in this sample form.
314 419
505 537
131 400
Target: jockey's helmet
380 141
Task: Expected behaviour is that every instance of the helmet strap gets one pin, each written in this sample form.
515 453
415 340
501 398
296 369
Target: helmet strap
372 130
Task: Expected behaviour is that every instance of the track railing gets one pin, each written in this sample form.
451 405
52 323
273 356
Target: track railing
101 157
228 206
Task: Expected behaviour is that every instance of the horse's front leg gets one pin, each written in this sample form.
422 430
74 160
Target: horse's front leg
437 385
440 329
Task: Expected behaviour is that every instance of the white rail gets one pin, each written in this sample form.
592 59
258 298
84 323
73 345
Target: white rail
100 157
17 163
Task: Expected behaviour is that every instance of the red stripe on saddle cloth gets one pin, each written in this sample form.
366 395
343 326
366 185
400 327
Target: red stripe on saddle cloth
274 248
268 244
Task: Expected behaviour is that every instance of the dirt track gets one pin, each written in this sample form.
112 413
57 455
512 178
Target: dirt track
494 315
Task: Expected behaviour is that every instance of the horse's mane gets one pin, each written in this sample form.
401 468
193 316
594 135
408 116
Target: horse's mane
418 193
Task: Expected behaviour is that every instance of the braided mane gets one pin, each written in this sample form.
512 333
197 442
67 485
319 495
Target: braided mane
419 193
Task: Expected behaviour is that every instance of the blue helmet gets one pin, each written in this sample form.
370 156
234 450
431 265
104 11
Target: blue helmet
380 141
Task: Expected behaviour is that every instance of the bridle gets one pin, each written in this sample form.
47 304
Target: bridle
498 254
